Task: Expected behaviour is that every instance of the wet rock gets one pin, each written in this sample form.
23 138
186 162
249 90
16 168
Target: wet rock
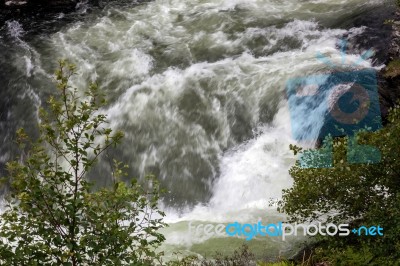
389 84
394 48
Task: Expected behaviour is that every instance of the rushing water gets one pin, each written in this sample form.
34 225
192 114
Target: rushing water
197 86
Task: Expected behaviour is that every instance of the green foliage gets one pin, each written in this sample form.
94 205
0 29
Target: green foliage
280 263
362 194
392 69
358 256
240 257
52 215
389 22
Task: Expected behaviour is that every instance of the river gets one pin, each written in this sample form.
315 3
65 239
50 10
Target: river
198 87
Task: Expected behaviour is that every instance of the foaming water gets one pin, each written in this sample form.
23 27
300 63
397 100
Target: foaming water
14 29
198 87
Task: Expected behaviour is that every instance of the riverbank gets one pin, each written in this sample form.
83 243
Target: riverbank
389 77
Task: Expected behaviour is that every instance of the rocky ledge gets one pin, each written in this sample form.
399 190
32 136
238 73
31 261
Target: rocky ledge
389 77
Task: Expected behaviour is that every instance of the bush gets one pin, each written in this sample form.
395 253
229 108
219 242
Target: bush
52 215
393 69
240 257
362 194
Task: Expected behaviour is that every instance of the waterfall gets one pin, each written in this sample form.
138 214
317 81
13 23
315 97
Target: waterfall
198 87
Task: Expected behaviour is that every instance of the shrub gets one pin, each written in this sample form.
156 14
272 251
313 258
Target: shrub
52 215
240 257
362 194
393 69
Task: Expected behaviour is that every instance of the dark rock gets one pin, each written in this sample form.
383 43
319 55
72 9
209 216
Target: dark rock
389 86
389 93
394 48
376 35
382 34
34 9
